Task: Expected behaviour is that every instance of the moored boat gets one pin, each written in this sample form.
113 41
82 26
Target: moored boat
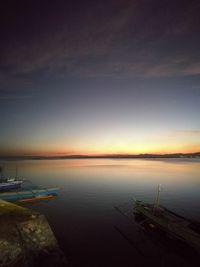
171 223
36 198
7 186
28 194
8 183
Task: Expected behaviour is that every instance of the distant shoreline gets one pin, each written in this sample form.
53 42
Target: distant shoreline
115 156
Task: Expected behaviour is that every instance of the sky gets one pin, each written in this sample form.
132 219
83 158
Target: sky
99 77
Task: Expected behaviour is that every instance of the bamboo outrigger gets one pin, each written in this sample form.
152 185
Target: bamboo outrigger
36 198
29 195
173 224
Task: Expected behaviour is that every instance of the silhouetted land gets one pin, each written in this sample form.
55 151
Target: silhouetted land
111 156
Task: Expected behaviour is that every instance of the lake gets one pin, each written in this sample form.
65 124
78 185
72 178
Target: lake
90 230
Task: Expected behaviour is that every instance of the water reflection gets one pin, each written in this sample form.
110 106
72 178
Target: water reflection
83 215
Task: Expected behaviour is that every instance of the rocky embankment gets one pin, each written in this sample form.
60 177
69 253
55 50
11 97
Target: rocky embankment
26 239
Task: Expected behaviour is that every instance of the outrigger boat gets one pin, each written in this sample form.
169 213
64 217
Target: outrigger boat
171 223
7 183
10 185
11 190
36 199
30 195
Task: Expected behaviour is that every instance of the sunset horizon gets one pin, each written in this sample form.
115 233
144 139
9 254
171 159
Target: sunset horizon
100 133
100 154
107 82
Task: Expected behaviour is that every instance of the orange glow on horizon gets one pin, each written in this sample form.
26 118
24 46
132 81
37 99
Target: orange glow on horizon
101 151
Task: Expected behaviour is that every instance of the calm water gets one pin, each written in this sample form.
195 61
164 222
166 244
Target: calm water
89 230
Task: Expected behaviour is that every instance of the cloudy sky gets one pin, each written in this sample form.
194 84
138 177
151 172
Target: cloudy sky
95 77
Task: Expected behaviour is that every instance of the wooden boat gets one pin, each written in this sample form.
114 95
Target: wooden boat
8 183
28 194
35 199
171 223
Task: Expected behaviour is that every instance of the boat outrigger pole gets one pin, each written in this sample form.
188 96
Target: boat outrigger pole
16 174
157 200
1 171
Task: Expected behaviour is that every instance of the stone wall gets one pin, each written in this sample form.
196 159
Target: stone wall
26 239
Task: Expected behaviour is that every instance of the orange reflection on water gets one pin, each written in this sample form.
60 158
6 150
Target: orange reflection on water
170 171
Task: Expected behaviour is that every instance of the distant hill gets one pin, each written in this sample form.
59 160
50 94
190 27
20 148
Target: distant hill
115 156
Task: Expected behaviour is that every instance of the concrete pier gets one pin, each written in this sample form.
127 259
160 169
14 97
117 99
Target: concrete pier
26 239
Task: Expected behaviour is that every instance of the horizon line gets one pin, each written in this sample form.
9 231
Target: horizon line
110 155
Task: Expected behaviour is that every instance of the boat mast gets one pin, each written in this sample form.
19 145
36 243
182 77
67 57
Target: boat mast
157 201
16 174
1 171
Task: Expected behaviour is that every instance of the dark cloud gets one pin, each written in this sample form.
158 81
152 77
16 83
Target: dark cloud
15 97
100 38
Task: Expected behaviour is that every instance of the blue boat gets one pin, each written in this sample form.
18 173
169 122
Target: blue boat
10 185
29 194
7 183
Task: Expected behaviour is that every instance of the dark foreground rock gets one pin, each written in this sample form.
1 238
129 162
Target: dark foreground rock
26 239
